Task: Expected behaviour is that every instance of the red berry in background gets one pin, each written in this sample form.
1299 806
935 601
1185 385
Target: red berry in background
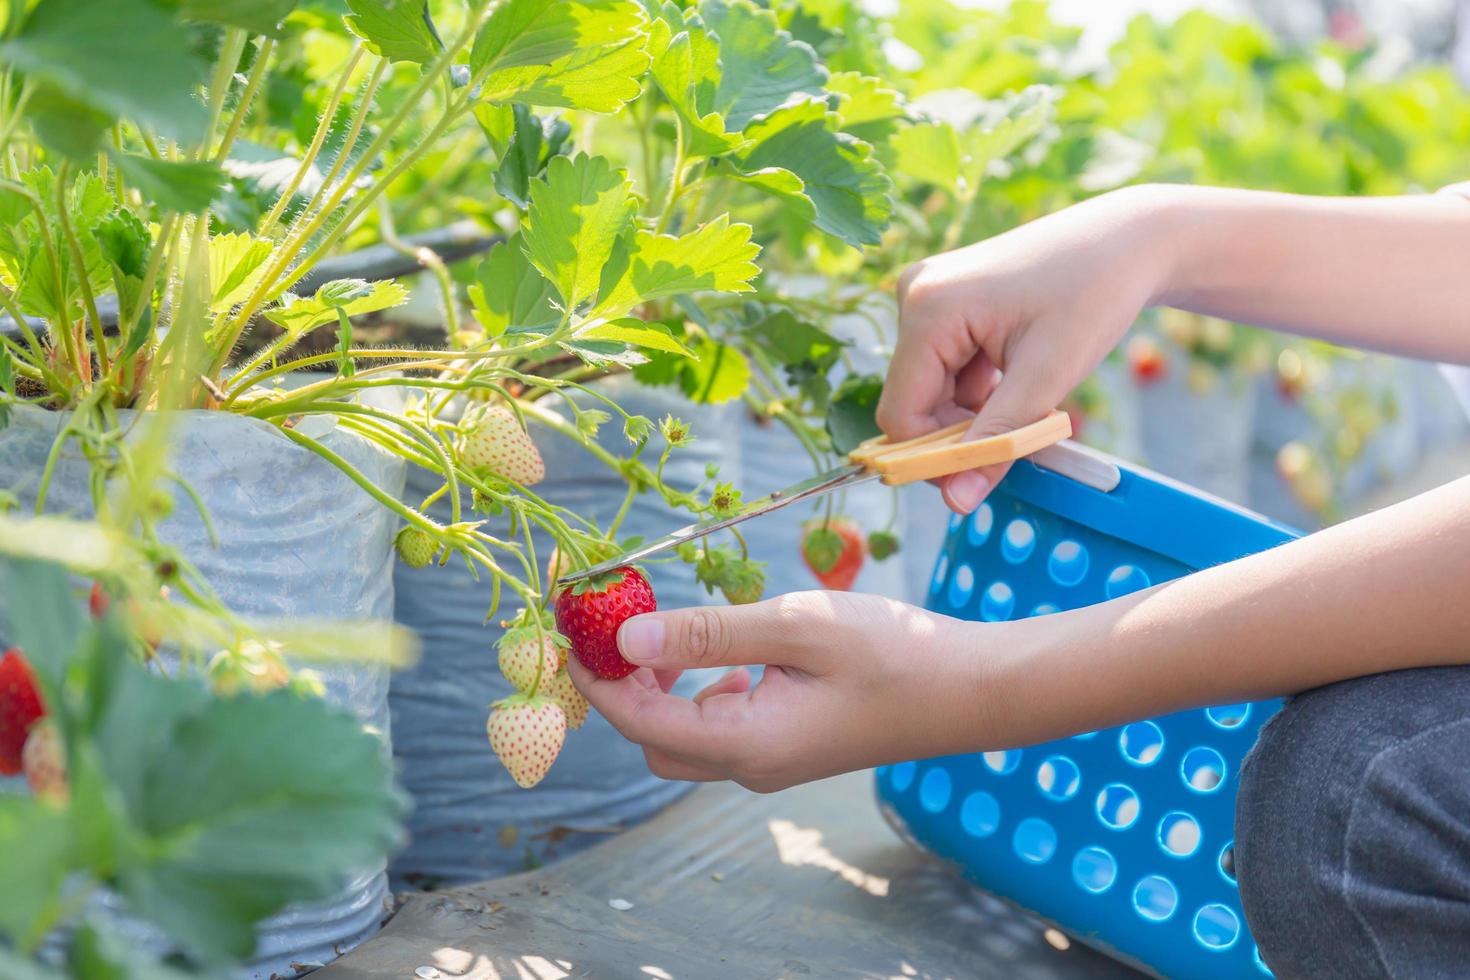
20 709
1146 360
589 612
99 601
834 551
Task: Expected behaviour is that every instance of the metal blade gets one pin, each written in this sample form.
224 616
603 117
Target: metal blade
844 476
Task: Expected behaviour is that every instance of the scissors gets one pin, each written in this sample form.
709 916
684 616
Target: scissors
940 453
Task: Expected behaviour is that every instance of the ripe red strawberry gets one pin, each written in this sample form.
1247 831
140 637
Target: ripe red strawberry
1146 360
590 612
415 546
566 694
527 659
526 734
20 709
834 552
99 601
44 762
494 441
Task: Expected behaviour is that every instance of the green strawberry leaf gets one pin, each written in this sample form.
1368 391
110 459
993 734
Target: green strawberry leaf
715 257
760 65
575 54
256 16
795 343
510 295
578 213
69 126
929 152
98 954
127 58
850 417
636 333
687 71
126 244
717 374
399 30
236 265
866 108
184 186
844 184
36 841
299 314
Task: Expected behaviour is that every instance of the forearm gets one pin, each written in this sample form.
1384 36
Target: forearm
1388 274
1387 591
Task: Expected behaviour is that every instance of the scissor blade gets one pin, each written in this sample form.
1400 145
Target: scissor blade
844 476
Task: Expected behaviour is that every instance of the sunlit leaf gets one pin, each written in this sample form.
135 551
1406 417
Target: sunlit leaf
867 108
929 152
653 336
236 265
577 214
716 257
185 186
256 16
761 65
399 30
687 71
575 54
510 294
851 415
299 314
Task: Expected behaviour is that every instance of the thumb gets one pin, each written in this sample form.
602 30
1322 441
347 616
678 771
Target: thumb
1026 393
714 636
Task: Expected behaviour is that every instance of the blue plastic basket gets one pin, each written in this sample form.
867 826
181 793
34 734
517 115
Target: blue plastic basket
1123 837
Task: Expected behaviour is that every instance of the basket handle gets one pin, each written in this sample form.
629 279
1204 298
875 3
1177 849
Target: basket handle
946 451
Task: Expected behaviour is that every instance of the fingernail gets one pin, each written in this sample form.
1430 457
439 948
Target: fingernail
966 490
641 639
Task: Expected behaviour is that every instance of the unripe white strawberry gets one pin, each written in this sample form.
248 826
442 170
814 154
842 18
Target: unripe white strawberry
44 761
415 546
526 657
494 442
526 734
570 699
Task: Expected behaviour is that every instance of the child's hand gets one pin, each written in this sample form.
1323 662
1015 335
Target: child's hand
1043 304
853 681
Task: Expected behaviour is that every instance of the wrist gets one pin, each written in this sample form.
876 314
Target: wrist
1160 217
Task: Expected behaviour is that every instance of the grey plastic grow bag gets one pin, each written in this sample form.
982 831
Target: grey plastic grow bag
470 820
297 538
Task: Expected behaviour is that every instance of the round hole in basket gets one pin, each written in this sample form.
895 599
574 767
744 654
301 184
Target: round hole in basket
1058 777
980 814
1226 862
1045 609
1068 563
1094 869
1117 806
1125 579
1035 840
901 776
1216 926
941 569
981 523
1203 769
1018 541
998 602
1228 716
1155 898
1141 742
961 586
934 790
1179 834
1002 763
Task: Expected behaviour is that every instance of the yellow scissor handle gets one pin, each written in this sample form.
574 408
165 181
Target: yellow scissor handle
944 451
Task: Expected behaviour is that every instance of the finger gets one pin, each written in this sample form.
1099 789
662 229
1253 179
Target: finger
736 681
667 679
1030 388
918 378
657 721
774 631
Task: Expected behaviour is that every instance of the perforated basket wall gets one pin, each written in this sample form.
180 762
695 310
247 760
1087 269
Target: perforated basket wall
1123 837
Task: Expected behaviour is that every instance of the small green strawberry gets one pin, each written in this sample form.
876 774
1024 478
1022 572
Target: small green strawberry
744 581
494 442
415 546
882 544
526 734
528 658
566 694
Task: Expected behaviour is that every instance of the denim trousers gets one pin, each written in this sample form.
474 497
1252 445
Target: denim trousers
1353 829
